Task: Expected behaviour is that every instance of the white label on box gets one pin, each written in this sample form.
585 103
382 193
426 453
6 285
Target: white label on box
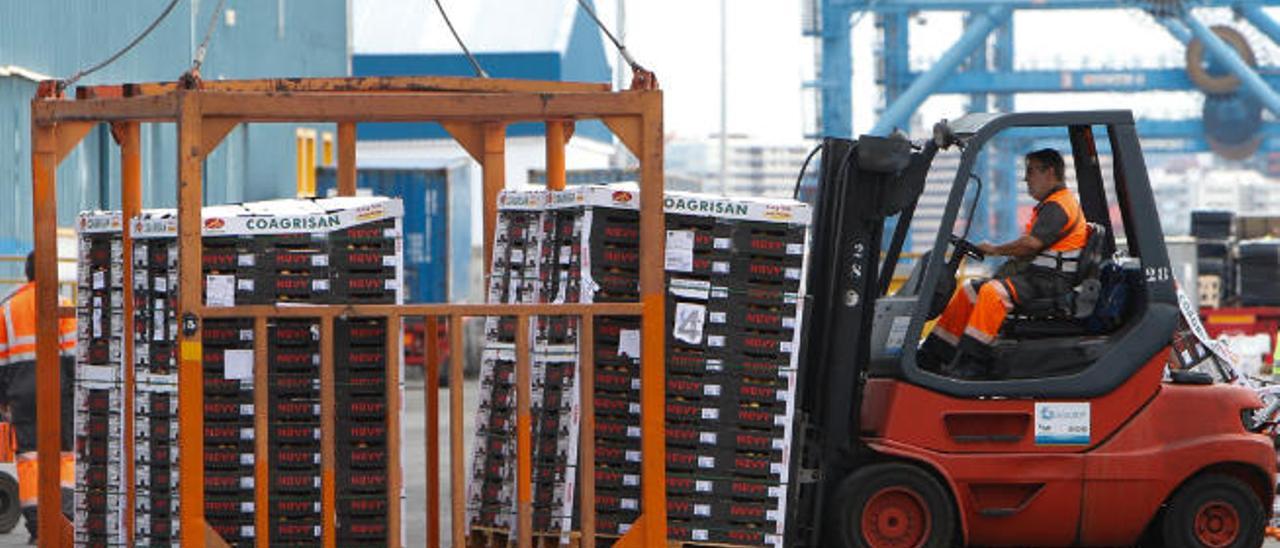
245 284
629 504
246 334
246 434
633 431
630 480
245 259
161 284
237 364
246 458
719 292
711 390
99 279
775 491
1062 423
633 456
715 364
707 438
706 462
319 259
246 507
699 534
319 285
777 468
722 243
690 319
793 273
679 256
517 255
624 527
780 420
246 482
710 413
771 515
690 289
390 285
629 343
703 510
702 486
784 346
716 341
788 322
635 383
246 409
720 267
795 249
718 317
389 260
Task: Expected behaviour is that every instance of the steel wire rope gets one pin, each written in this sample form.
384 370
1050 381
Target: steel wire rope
208 35
155 23
621 48
474 63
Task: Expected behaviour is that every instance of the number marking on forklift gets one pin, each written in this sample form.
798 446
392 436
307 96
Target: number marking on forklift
1062 423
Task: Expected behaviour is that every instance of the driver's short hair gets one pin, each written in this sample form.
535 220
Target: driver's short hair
1049 157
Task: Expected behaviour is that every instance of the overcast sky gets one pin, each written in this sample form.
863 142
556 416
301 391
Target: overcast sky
769 59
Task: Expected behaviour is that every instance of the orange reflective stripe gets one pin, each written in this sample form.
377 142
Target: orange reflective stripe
28 479
67 470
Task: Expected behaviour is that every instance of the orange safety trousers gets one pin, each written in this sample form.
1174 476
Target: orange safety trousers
29 477
976 313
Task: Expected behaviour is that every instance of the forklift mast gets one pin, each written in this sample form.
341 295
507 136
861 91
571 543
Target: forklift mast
862 184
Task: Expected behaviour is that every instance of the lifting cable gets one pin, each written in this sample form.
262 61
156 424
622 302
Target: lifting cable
208 34
636 69
474 64
85 72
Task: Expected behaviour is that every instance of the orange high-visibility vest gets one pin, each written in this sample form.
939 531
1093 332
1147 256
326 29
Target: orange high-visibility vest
18 328
1064 254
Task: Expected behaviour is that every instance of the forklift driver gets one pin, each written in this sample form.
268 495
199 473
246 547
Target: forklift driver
1041 263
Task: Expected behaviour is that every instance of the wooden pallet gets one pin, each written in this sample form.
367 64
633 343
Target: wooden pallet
494 537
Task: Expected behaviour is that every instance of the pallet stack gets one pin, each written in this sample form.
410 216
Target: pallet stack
298 251
734 272
100 495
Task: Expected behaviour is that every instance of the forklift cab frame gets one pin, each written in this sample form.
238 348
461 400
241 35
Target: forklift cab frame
1101 456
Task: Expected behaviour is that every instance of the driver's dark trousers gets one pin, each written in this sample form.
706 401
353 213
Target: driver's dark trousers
978 308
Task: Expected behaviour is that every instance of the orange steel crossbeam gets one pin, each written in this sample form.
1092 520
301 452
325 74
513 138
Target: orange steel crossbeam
476 113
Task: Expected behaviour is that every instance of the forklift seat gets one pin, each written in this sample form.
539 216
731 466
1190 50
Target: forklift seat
1065 314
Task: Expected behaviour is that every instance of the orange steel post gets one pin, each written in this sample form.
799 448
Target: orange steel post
44 162
555 155
457 483
261 429
347 159
587 428
524 437
328 445
395 483
432 407
494 168
130 206
190 348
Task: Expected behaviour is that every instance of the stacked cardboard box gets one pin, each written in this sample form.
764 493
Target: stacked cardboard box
302 251
360 355
734 272
100 495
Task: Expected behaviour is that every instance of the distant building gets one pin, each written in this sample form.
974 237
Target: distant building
756 168
1240 190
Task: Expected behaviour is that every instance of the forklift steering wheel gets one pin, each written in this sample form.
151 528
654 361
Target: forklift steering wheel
967 248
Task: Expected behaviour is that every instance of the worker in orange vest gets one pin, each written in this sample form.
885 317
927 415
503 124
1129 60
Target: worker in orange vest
1044 259
18 391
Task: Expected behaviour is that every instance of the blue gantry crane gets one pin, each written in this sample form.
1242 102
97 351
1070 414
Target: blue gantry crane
1221 64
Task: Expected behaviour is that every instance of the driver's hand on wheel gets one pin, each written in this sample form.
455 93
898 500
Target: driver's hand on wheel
987 248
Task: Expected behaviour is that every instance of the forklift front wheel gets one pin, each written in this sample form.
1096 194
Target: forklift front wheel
10 508
891 505
1213 510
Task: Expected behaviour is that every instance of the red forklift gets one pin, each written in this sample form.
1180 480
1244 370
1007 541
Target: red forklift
1107 424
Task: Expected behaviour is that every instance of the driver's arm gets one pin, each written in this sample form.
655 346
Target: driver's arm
1051 222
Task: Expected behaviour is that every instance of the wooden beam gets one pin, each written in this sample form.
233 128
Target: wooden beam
417 107
328 440
395 475
587 430
374 83
382 310
432 411
457 452
44 165
628 130
653 471
69 135
494 167
469 135
212 539
215 130
347 159
128 135
555 142
139 109
190 349
524 437
261 432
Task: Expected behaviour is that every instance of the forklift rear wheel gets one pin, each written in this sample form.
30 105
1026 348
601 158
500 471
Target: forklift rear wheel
892 505
10 509
1214 511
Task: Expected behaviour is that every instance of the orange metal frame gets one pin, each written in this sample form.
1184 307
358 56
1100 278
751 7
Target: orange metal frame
475 112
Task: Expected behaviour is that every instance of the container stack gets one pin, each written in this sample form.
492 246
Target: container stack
1213 233
100 496
1259 262
734 272
298 251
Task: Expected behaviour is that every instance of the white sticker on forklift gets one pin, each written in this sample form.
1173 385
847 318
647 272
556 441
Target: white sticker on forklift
897 334
1062 423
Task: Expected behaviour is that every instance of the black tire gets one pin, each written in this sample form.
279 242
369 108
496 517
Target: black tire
911 509
10 509
1213 510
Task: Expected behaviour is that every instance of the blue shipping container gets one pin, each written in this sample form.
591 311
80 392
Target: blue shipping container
436 242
